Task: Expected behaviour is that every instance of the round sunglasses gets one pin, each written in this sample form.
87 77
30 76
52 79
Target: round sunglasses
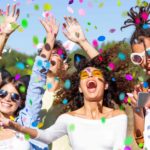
137 58
14 97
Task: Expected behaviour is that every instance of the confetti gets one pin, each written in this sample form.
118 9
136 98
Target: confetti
89 23
35 40
35 123
146 26
47 7
20 65
17 76
119 3
27 137
128 141
121 96
81 12
20 29
101 38
140 79
113 79
112 30
100 5
95 43
14 25
129 77
70 10
65 101
111 66
70 2
39 63
24 23
103 119
122 56
22 89
71 127
49 86
81 1
67 84
40 125
11 118
141 145
144 16
127 148
95 27
30 61
36 7
30 101
145 84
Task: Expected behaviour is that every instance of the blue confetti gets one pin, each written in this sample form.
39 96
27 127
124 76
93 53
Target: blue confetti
145 26
48 65
113 79
101 38
39 63
122 56
77 59
67 84
65 101
49 85
145 85
20 65
122 96
35 124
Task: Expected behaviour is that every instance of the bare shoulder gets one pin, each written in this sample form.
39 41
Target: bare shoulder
118 112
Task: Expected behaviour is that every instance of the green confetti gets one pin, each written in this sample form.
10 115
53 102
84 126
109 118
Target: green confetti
27 137
140 79
103 119
24 23
44 87
22 89
35 40
101 5
122 107
36 7
89 23
14 25
71 127
20 29
47 7
141 145
124 14
87 30
30 61
128 141
30 101
44 40
119 3
138 2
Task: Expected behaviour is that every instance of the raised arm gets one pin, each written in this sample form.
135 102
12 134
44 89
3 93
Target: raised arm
8 24
30 114
73 31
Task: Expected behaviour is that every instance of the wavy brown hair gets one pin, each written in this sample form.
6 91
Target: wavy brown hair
115 78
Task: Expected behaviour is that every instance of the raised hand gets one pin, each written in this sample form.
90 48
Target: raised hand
72 30
51 26
9 20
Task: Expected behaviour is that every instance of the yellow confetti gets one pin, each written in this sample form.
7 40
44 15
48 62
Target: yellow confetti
119 3
12 118
40 125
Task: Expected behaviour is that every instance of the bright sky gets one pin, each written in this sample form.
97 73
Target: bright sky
105 18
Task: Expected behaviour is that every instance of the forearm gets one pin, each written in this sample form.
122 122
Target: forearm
25 130
3 40
89 49
49 45
138 123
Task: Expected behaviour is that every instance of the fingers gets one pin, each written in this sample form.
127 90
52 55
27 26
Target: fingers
13 10
66 34
45 25
17 14
133 100
7 10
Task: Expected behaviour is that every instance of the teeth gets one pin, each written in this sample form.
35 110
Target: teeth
6 105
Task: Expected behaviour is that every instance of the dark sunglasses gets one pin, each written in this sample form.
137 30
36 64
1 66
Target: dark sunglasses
14 97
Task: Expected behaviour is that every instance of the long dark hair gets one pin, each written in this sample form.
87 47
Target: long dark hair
139 18
22 82
115 78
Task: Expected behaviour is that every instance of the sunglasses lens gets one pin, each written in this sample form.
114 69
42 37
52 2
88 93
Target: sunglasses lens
15 97
3 93
84 75
137 59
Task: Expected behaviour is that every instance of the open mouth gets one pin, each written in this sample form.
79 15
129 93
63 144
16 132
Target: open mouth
53 63
91 86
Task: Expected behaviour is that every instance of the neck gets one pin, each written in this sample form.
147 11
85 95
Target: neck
93 109
2 115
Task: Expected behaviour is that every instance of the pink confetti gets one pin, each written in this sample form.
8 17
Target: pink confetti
81 12
129 77
60 52
70 10
95 43
125 100
144 15
81 1
90 5
112 30
137 21
71 1
17 77
100 50
111 66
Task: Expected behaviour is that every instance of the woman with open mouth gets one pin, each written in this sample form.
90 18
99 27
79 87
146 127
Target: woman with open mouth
92 123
